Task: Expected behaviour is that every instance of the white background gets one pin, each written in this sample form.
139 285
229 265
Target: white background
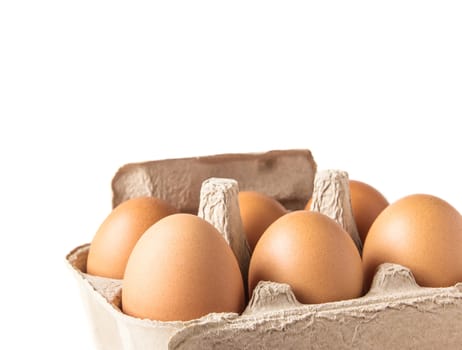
373 88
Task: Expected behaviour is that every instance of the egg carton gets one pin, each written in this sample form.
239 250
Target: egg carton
396 313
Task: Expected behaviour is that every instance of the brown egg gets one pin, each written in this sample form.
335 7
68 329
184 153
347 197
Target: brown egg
182 269
366 203
313 254
119 232
258 211
421 232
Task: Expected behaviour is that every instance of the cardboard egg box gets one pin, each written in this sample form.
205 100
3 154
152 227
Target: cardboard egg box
395 314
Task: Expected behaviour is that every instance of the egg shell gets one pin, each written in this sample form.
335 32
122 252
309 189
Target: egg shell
367 203
258 211
181 269
421 232
313 254
119 232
